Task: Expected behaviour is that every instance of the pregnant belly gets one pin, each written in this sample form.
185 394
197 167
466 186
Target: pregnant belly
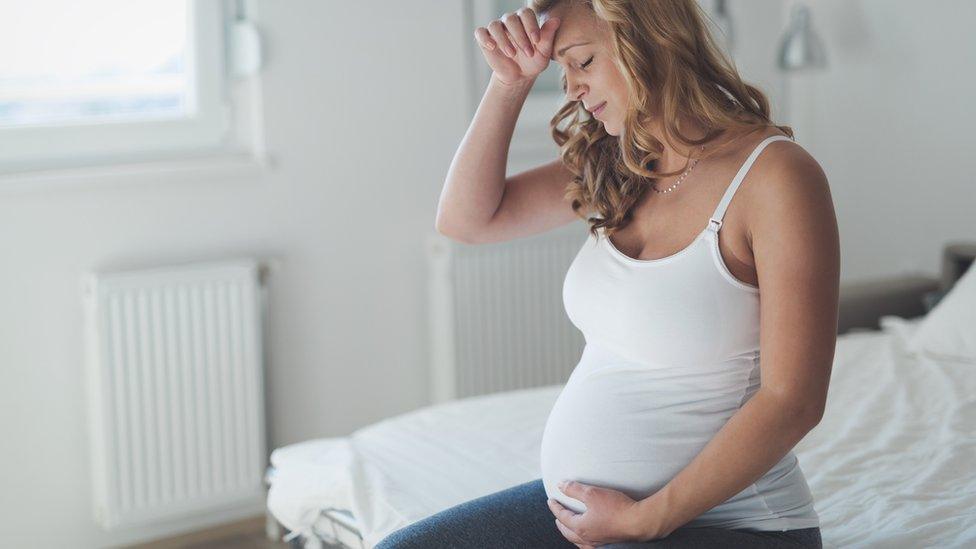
631 429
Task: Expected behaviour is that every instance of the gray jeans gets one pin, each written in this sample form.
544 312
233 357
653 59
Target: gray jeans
518 517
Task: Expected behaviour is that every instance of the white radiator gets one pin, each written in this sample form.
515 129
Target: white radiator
497 319
176 391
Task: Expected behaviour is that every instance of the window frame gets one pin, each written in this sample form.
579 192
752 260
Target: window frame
209 130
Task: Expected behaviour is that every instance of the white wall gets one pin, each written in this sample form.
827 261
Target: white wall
363 112
891 122
364 107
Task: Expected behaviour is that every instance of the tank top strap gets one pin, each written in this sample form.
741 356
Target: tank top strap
715 222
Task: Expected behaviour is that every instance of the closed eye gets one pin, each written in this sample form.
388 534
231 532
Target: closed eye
588 61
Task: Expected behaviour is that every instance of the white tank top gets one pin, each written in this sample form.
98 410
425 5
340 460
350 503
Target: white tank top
672 352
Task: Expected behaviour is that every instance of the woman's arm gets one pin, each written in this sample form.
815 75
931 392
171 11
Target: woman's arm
476 179
796 247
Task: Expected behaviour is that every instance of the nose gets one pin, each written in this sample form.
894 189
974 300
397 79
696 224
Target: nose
574 91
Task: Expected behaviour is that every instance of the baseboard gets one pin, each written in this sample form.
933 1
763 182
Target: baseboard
250 525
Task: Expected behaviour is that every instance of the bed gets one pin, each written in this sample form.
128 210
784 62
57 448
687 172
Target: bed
891 464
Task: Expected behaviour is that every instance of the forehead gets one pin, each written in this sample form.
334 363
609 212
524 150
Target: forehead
561 45
576 25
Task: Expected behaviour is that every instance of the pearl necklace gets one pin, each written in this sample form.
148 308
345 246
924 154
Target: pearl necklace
680 179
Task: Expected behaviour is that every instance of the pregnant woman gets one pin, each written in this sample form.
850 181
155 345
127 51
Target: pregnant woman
706 290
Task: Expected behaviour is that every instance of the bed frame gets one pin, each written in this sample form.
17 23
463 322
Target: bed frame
862 304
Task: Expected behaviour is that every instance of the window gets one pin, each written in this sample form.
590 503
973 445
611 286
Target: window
108 81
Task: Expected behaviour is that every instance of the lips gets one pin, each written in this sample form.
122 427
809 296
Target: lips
598 107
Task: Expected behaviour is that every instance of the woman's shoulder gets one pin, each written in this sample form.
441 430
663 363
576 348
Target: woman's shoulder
782 167
785 183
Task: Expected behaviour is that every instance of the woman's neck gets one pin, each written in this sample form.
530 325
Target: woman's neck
673 159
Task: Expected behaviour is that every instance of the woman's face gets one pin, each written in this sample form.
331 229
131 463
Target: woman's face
582 48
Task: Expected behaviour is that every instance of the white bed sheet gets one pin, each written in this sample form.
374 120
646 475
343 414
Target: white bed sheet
891 464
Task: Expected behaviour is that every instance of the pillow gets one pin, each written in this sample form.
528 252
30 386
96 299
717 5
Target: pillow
948 331
901 328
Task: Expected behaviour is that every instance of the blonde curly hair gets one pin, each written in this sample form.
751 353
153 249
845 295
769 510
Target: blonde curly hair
673 69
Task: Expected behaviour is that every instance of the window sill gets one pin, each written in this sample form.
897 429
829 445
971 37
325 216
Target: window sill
237 164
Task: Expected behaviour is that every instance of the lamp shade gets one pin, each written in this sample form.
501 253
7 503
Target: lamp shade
801 48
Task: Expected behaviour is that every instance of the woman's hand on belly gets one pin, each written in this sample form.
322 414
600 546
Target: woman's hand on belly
611 516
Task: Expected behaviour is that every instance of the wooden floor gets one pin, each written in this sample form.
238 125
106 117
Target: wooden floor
245 534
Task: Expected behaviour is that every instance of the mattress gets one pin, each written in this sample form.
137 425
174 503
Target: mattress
891 464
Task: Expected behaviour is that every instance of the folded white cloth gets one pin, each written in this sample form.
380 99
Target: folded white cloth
307 477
